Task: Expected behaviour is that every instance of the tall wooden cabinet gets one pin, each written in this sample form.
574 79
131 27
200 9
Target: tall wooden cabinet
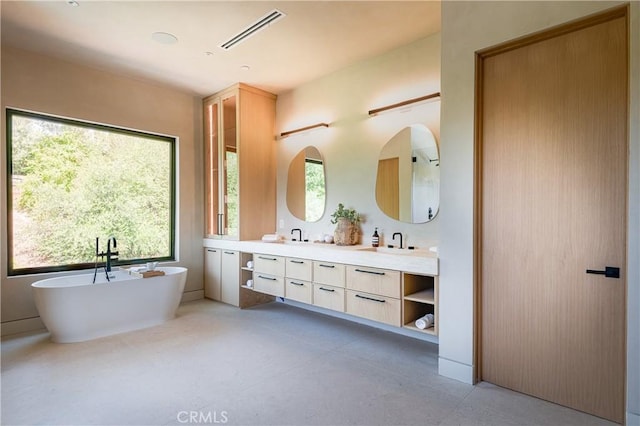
240 167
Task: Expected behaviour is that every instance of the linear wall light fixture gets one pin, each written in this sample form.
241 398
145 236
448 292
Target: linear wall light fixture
404 103
303 129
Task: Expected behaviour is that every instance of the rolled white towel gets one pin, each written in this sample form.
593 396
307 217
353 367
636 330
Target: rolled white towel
425 322
249 283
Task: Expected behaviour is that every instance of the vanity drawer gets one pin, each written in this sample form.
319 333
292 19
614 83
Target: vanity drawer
299 269
268 264
374 281
329 297
328 273
374 307
268 284
299 290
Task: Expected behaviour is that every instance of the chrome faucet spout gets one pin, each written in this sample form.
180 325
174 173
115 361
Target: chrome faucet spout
394 237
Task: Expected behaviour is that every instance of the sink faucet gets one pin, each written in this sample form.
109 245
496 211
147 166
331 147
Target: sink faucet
110 253
299 234
394 237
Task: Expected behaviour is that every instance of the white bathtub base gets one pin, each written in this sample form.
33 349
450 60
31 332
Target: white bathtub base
74 310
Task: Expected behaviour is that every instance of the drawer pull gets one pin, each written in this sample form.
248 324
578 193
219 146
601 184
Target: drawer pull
212 251
266 278
327 266
267 258
295 283
370 272
370 298
297 261
326 289
229 252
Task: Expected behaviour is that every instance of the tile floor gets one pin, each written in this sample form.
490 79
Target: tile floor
270 365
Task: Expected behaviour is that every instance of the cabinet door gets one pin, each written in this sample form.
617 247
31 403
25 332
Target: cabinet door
212 285
212 167
230 166
230 266
221 166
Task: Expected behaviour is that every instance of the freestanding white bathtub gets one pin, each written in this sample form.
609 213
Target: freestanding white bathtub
74 310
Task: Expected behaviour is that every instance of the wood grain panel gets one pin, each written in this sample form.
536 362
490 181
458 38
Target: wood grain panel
388 187
553 164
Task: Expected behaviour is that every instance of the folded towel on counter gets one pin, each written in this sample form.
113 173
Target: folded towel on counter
272 238
425 322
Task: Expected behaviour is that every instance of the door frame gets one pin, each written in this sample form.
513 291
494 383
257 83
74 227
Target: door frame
568 27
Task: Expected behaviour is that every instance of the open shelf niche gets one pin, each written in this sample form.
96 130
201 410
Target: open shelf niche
420 297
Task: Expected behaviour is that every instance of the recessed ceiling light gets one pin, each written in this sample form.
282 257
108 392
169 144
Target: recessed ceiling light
245 68
164 38
73 3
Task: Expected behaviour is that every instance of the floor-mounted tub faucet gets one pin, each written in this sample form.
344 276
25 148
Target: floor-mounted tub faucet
110 253
394 237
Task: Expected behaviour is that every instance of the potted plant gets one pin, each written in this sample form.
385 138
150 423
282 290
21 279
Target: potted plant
347 231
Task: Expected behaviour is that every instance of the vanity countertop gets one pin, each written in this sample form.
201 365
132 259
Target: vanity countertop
420 261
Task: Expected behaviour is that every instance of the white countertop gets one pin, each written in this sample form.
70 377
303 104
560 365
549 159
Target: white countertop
423 262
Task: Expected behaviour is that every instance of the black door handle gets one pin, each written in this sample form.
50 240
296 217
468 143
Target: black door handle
609 272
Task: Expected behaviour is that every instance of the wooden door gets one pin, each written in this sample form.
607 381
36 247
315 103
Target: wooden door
552 146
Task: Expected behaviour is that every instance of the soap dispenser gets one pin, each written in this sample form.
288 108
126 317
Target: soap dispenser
375 239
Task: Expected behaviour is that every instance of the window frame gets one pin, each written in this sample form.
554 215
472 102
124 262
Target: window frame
172 140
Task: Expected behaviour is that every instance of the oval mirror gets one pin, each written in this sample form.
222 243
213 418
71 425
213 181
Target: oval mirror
408 180
306 193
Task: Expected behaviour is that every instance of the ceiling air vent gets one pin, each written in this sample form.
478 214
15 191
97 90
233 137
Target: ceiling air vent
260 24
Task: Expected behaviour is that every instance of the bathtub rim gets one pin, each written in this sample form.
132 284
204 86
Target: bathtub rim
44 283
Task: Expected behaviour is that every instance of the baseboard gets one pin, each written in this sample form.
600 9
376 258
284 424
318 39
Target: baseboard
397 330
21 326
456 370
190 296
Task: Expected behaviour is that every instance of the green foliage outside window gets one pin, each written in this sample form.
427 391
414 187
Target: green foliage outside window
72 182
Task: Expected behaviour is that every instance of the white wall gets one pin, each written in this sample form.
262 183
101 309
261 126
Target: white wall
352 143
466 28
38 83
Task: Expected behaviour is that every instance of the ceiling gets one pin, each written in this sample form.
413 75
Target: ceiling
315 38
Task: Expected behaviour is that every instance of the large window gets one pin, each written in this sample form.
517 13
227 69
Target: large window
71 182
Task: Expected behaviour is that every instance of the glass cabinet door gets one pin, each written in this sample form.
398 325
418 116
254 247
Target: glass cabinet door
230 184
221 162
212 168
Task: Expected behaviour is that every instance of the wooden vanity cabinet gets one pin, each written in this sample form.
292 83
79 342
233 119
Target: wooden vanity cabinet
268 274
328 285
374 294
298 286
388 296
239 145
222 275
